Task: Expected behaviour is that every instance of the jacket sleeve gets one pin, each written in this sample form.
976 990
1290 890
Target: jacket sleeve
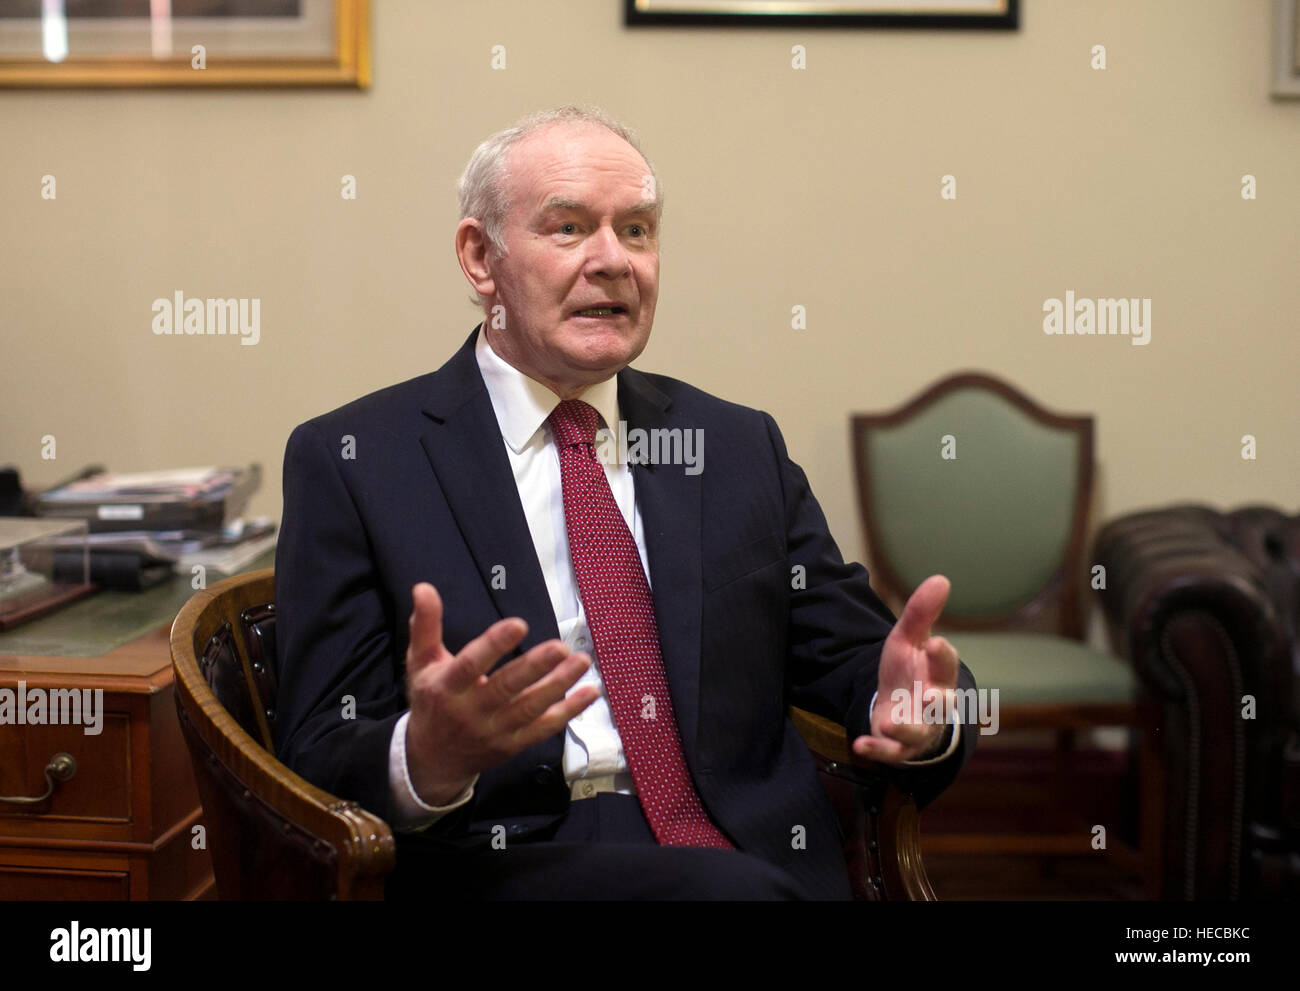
341 681
339 695
837 629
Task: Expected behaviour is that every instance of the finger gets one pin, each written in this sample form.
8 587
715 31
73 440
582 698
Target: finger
909 736
922 609
888 751
536 699
555 718
426 627
878 748
943 662
477 657
511 679
911 726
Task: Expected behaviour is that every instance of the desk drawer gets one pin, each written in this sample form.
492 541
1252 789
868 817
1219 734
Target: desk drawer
100 791
32 884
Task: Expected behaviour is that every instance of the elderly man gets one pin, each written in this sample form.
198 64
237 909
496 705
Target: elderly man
565 675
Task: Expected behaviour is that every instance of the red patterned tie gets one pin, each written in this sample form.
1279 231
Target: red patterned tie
620 613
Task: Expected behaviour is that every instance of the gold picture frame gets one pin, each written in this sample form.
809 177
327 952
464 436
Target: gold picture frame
326 43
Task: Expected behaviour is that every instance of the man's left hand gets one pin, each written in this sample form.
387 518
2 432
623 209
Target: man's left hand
912 657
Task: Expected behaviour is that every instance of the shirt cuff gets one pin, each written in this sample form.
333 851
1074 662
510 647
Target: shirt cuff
410 813
954 735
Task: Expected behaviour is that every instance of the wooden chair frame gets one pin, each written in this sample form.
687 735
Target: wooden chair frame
1063 585
1062 590
219 747
881 824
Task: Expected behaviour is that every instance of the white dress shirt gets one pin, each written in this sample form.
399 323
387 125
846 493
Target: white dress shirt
592 747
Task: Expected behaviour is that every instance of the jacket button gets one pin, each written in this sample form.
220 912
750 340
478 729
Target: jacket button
545 775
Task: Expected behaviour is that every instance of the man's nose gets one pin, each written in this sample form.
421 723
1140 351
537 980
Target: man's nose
606 254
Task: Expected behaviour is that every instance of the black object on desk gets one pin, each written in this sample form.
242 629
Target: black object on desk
124 570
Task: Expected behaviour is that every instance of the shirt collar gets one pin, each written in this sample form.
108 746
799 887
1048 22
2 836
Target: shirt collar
523 404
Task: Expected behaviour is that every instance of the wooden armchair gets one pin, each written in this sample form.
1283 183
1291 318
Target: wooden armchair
273 835
975 480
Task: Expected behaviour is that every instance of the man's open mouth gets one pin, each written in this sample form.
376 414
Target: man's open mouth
600 311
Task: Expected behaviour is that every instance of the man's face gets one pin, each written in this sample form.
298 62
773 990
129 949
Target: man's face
580 276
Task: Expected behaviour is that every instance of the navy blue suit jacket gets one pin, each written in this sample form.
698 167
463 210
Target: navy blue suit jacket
428 495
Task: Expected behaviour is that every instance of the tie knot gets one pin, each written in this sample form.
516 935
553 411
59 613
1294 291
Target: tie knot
574 422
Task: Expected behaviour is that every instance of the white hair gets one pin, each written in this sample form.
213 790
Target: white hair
482 187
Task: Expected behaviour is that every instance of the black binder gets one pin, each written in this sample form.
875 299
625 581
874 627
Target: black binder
129 571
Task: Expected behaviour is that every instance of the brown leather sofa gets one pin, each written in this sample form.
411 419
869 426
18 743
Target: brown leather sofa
1206 606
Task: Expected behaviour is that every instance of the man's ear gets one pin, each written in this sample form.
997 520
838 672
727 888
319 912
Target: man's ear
472 251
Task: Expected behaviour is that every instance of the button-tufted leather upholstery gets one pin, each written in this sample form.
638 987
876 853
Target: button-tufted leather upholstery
271 834
1207 607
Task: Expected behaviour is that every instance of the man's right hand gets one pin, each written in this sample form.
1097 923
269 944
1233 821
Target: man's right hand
463 720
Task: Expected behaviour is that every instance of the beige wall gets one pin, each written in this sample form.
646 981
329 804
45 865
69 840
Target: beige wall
816 187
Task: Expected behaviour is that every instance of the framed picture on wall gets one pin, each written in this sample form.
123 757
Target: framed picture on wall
1286 48
1004 14
193 43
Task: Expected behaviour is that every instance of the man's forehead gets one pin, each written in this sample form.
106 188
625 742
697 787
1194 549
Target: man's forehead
559 162
567 139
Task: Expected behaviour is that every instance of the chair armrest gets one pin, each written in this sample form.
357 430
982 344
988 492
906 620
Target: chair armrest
881 824
1199 619
310 845
1176 563
271 833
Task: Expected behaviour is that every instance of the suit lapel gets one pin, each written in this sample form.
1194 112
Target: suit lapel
669 500
462 440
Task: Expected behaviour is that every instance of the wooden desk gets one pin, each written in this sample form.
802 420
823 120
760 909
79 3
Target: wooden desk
124 826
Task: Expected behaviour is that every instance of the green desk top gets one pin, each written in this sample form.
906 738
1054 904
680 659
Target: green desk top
107 620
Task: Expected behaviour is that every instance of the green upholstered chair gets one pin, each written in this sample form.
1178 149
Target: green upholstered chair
973 480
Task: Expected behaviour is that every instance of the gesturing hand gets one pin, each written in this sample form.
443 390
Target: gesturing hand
464 720
911 656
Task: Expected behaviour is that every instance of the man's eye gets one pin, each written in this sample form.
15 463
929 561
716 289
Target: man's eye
568 228
636 230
